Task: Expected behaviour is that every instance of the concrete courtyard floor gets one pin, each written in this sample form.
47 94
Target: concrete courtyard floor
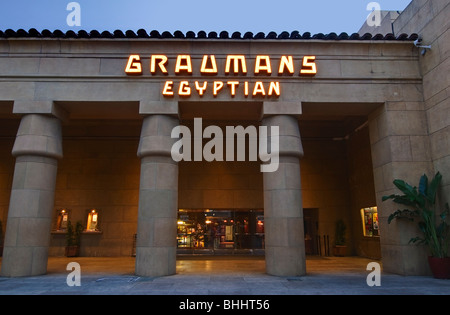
212 275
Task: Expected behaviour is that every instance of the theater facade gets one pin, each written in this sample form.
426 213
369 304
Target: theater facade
162 144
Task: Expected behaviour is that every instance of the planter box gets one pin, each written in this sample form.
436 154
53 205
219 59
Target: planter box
339 250
440 267
72 251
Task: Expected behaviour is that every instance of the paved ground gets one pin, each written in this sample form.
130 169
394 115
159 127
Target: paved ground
214 276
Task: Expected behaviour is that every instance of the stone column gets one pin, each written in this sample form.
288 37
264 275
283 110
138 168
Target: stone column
400 147
37 148
158 199
283 212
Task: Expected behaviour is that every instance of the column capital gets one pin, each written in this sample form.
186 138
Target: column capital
147 107
289 139
40 107
39 135
281 108
156 137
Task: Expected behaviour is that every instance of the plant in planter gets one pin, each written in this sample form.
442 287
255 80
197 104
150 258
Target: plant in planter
340 247
421 203
73 236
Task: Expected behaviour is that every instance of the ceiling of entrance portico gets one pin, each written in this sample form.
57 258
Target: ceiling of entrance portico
6 110
220 110
102 110
318 120
336 110
333 120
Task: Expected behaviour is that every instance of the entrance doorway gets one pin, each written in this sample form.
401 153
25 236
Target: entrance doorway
311 225
220 232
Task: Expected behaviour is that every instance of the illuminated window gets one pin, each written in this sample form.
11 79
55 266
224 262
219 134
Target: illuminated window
92 221
220 229
369 218
62 219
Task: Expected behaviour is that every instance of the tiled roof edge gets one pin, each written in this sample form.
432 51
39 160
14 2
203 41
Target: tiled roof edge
33 33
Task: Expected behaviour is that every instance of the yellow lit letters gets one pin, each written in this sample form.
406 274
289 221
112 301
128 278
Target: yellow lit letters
274 89
237 59
184 89
233 85
286 63
134 65
234 64
161 64
266 67
259 89
167 90
309 65
201 89
218 85
184 63
213 69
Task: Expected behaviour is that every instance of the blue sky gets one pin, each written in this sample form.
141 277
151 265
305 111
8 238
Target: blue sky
316 16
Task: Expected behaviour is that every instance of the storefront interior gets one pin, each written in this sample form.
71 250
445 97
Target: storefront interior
221 206
208 231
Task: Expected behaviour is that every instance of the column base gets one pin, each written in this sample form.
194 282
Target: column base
285 261
33 261
155 261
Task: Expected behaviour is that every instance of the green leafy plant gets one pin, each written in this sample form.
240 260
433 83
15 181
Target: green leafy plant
73 235
421 203
340 233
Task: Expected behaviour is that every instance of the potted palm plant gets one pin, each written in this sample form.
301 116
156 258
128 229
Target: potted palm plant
340 247
73 236
421 203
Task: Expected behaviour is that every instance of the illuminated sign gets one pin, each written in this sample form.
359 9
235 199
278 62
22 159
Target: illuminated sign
235 65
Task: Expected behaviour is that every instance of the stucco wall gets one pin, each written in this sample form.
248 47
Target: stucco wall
430 19
8 129
100 170
362 191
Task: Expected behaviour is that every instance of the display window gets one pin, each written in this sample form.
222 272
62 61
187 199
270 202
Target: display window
92 221
370 221
62 220
220 229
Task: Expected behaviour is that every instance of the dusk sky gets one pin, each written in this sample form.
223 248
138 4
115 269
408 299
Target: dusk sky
317 16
